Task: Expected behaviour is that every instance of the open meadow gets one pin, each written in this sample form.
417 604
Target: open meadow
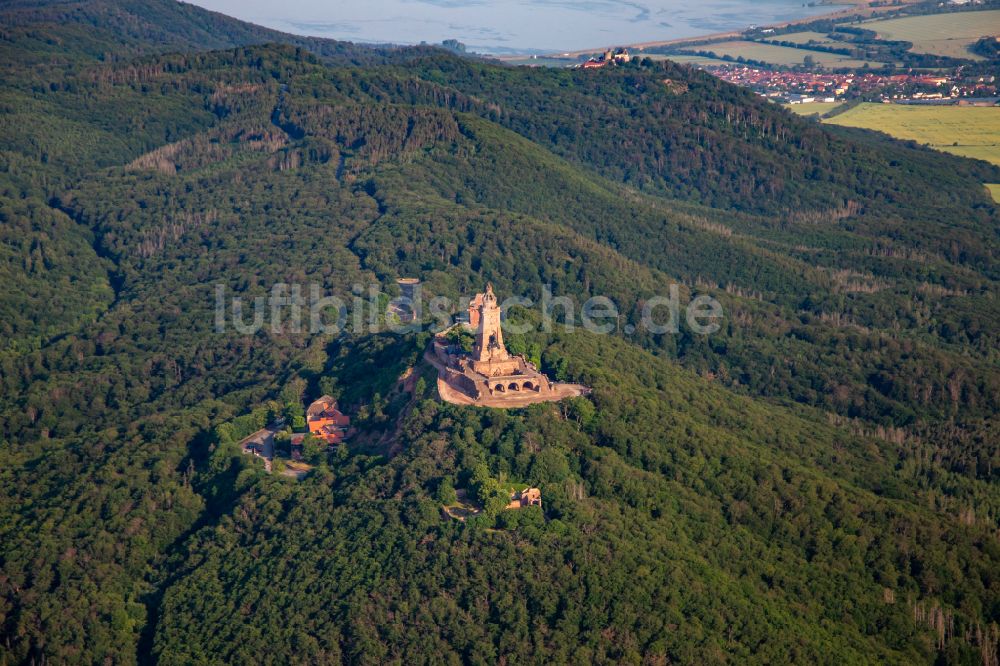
967 131
808 37
962 130
685 58
813 108
803 37
942 34
781 55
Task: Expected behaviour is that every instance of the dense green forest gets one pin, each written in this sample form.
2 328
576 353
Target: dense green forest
817 481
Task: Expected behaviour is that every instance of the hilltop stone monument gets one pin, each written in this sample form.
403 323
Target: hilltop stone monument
489 356
490 375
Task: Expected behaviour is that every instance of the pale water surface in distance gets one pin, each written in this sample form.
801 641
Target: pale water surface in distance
499 26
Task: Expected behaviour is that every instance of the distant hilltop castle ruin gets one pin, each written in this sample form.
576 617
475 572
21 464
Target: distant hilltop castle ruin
490 376
609 57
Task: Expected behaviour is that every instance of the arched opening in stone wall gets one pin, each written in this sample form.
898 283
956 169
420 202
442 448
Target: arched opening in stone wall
514 387
528 386
499 388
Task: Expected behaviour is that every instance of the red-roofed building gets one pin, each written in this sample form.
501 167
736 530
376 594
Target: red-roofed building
327 422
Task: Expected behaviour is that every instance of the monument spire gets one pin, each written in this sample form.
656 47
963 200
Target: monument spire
489 337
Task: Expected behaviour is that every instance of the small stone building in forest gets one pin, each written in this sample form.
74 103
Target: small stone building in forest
526 497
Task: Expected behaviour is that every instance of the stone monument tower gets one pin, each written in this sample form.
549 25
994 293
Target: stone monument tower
491 376
489 356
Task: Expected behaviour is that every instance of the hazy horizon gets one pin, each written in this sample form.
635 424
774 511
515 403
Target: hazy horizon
498 26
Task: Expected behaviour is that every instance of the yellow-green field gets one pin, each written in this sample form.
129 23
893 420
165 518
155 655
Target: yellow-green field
994 189
943 34
962 130
802 37
815 108
988 153
807 36
781 55
685 58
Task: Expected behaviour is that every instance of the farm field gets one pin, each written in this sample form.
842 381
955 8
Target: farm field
780 55
942 34
685 58
812 109
966 131
802 37
989 153
806 37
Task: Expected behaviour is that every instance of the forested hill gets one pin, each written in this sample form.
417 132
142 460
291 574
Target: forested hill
60 32
815 482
